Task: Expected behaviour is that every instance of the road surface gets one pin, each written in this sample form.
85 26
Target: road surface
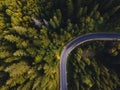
70 46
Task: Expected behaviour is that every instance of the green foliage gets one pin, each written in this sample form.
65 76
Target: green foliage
29 56
90 74
69 7
54 22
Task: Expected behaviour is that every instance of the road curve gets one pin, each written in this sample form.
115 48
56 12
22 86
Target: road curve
70 46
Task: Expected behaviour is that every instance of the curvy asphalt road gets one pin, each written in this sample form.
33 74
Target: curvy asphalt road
70 46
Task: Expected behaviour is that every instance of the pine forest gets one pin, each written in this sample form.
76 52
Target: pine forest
34 32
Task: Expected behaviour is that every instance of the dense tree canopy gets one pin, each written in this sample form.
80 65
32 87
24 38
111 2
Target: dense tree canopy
30 53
